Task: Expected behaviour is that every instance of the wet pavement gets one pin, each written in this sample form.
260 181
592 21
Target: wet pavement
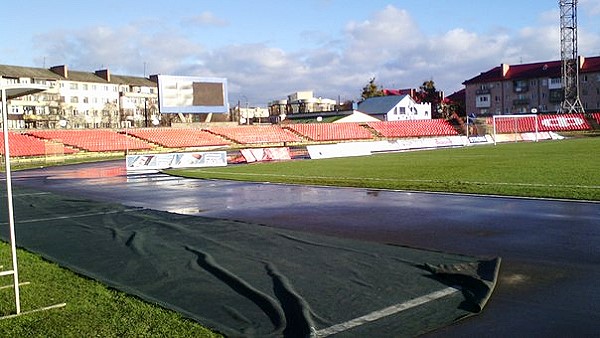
550 249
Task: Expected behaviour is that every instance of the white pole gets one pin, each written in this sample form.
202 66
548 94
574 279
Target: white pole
11 221
536 128
494 120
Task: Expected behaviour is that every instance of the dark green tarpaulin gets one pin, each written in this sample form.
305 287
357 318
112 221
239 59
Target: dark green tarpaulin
248 280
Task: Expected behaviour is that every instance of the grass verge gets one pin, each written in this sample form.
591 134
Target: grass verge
555 169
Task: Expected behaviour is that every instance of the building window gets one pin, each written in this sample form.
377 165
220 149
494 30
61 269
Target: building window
520 86
84 86
482 101
73 86
74 99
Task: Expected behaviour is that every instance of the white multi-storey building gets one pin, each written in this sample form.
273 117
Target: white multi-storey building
76 99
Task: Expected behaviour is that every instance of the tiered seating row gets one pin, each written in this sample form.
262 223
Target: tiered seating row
331 131
25 145
179 138
256 134
414 128
45 142
93 140
556 122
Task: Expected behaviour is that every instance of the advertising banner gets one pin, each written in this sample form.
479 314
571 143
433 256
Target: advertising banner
348 149
156 162
266 154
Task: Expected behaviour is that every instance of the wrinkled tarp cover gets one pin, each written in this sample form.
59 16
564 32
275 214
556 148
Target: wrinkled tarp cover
248 280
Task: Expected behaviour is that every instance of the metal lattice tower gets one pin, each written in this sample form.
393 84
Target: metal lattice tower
569 58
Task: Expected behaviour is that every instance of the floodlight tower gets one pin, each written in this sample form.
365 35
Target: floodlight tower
569 58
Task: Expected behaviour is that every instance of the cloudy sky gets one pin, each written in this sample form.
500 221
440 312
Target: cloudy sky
269 49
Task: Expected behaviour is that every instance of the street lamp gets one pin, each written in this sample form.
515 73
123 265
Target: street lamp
146 111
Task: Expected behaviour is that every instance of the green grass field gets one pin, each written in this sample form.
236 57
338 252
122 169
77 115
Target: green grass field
557 169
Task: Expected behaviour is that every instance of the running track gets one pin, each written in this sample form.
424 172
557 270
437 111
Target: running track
550 250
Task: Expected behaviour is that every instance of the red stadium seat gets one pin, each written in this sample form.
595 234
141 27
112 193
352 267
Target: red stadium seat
255 134
95 140
331 131
179 138
22 145
413 128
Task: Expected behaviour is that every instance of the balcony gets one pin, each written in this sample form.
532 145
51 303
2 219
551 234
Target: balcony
483 91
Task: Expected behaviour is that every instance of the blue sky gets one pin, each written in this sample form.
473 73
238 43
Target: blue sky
269 49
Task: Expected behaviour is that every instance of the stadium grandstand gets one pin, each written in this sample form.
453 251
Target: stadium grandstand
416 128
556 122
596 117
22 145
331 131
40 143
94 140
255 134
179 138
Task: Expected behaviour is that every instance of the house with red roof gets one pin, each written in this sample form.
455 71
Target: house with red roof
517 89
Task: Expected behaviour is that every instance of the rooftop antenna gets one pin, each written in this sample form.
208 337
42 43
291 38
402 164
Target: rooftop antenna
569 58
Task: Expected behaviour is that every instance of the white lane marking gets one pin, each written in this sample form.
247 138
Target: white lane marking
517 184
73 216
388 311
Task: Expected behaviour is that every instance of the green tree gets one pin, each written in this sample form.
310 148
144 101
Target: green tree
429 94
371 90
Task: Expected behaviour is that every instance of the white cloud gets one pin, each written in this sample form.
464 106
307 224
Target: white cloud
590 7
205 19
124 49
389 45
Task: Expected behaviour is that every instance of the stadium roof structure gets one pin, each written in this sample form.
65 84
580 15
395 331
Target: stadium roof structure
16 90
548 69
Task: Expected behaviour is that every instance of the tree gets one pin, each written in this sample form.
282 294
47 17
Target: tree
371 90
428 93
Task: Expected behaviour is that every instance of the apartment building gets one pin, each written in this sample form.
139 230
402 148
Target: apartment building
301 103
517 89
77 99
